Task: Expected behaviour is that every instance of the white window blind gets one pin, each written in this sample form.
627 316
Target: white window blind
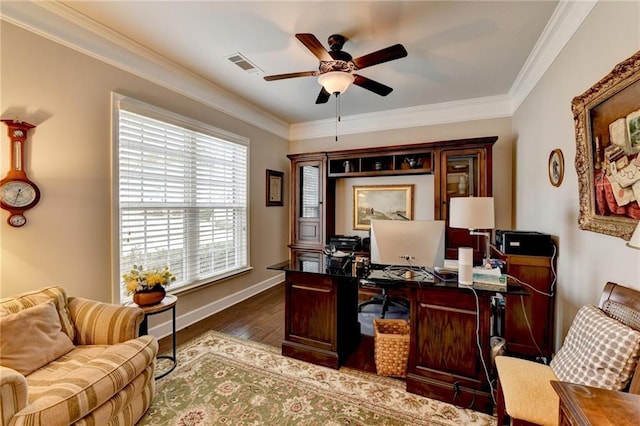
183 198
310 192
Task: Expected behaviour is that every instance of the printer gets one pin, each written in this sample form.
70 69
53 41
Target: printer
346 242
528 243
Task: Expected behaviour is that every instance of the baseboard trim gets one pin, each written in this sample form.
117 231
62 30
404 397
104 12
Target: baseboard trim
164 329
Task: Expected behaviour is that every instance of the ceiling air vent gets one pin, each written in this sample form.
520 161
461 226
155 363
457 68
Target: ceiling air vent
244 63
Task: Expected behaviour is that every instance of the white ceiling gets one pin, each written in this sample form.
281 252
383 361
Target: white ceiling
458 51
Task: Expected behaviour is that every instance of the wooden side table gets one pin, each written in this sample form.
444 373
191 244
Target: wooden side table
586 405
168 303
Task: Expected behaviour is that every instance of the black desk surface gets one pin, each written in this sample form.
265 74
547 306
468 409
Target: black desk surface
321 264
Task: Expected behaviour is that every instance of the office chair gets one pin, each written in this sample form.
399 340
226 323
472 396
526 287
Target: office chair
383 299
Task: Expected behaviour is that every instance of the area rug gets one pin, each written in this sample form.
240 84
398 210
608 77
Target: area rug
223 380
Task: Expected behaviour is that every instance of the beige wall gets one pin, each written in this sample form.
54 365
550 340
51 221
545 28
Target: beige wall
586 260
67 238
423 198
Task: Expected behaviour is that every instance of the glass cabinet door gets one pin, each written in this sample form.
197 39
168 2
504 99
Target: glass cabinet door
309 208
310 191
463 175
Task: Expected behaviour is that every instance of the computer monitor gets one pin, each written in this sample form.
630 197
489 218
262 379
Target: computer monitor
407 243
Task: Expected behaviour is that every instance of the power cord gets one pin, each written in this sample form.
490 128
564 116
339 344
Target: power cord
456 390
479 345
526 319
553 283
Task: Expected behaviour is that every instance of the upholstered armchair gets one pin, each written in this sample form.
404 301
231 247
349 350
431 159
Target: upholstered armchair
73 361
601 349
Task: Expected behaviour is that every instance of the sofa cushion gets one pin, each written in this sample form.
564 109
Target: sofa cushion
72 386
127 406
598 351
45 341
12 305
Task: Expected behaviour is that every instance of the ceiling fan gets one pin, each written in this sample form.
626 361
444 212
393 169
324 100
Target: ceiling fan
336 70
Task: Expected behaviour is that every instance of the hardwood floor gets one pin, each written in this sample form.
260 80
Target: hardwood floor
261 319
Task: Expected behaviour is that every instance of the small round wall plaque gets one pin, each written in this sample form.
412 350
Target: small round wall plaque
556 167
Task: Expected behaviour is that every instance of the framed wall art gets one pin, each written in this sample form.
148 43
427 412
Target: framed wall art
607 128
394 202
274 188
556 167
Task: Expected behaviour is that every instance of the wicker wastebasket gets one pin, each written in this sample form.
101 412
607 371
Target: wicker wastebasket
391 346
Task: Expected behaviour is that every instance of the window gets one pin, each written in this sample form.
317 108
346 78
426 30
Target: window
182 195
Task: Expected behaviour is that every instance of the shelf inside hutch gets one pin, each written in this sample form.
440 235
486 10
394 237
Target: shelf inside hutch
381 163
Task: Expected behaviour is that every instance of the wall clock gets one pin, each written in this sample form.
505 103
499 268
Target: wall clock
17 193
556 167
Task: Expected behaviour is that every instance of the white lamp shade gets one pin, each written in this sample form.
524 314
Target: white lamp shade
471 212
335 81
635 238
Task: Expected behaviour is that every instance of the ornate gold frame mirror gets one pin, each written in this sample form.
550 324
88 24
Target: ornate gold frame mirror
607 126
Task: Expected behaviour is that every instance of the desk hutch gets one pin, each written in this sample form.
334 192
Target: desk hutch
460 168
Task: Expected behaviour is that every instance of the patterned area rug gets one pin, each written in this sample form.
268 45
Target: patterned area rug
223 380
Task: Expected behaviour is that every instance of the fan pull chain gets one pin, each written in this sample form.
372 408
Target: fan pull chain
337 113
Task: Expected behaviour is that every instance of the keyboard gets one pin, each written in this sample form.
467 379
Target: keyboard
403 274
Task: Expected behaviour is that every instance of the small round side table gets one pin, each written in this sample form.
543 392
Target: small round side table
168 303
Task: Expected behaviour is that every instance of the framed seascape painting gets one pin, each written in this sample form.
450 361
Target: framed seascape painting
394 202
607 127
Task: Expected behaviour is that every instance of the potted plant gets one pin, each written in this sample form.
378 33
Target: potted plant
147 286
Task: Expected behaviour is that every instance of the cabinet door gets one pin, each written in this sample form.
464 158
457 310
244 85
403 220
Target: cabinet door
529 320
463 173
308 202
444 361
310 317
452 316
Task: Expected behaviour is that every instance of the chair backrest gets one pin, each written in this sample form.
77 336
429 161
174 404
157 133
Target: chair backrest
623 304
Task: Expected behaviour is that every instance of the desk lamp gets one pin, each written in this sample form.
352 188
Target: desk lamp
473 213
635 238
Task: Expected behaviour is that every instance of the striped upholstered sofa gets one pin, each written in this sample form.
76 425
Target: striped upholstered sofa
73 361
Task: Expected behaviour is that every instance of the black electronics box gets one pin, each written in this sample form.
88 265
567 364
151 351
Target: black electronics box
346 242
527 243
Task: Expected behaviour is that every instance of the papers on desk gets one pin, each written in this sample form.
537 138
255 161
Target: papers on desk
489 279
450 265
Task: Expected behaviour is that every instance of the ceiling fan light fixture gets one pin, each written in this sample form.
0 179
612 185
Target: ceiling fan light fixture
336 81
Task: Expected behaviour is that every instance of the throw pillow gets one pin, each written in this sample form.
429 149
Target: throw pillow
598 351
12 305
32 338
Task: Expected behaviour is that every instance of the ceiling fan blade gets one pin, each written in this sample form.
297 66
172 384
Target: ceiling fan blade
314 45
374 86
390 53
290 75
323 96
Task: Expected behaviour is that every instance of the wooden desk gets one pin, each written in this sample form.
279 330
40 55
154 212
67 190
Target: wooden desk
449 353
585 405
321 310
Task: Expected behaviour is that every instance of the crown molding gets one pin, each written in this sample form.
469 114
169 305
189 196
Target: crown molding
566 19
58 22
425 115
